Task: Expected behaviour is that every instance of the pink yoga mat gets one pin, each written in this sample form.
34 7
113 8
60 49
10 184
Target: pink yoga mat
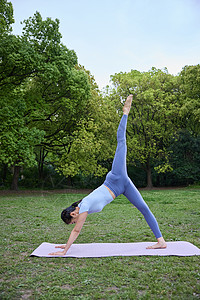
119 249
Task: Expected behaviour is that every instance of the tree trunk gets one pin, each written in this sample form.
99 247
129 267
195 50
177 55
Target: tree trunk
69 181
14 185
41 165
149 176
4 175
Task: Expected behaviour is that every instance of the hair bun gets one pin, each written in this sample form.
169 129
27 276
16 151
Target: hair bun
75 204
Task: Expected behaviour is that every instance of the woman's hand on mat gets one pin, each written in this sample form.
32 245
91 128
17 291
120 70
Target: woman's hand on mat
58 253
61 246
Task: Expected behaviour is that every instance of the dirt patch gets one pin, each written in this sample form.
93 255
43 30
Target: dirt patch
66 287
44 192
26 294
70 191
26 254
112 288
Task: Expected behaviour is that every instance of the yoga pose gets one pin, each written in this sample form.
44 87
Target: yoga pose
117 182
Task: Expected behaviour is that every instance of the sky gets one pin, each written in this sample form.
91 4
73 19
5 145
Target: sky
112 36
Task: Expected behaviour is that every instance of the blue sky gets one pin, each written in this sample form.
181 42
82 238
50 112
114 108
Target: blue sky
110 36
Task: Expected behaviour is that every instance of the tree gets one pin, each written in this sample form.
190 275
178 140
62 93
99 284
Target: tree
6 16
186 157
17 141
153 117
38 75
189 80
59 98
93 141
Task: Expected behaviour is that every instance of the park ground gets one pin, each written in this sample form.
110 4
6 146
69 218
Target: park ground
30 218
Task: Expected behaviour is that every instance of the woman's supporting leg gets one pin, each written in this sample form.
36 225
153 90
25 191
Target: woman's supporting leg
134 196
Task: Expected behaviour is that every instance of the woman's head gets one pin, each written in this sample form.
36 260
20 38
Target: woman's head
66 214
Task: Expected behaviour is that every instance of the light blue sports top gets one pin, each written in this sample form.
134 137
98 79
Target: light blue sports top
96 200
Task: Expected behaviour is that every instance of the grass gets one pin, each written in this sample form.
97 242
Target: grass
27 221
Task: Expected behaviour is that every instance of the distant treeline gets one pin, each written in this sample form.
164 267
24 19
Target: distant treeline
57 129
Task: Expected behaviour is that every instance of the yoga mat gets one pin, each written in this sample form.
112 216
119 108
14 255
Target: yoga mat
118 249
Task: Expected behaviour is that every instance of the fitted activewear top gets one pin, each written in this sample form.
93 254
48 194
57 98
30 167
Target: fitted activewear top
96 200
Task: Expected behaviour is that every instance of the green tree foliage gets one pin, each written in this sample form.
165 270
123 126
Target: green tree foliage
153 116
17 141
189 80
6 16
93 141
41 90
185 158
55 103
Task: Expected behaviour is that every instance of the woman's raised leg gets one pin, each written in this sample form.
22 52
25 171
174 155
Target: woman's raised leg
119 161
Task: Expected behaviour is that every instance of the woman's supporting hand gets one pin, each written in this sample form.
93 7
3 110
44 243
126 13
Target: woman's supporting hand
61 246
58 253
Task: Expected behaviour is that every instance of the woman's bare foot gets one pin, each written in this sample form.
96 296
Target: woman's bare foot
161 244
127 105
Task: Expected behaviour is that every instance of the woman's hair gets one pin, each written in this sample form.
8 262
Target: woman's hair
65 214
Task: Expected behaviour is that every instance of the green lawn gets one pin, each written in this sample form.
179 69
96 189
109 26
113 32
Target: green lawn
27 221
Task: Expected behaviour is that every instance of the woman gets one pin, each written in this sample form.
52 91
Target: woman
117 182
